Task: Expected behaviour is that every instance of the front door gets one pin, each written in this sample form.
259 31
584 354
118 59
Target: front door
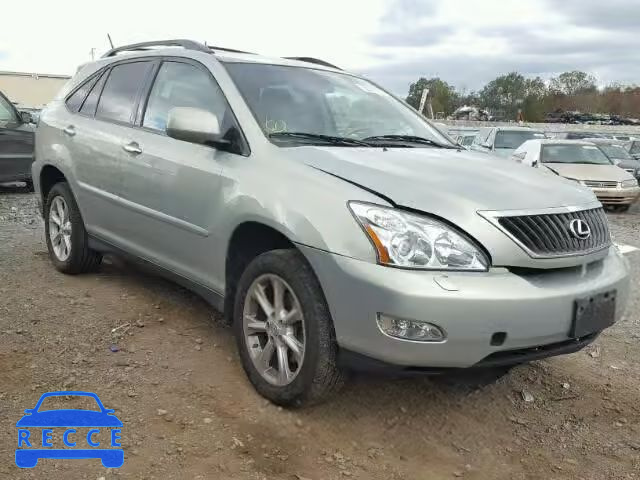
173 187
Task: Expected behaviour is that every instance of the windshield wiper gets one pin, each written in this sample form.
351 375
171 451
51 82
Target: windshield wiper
352 142
407 139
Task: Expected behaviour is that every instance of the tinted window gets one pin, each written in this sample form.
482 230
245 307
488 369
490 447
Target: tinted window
75 100
89 105
121 91
183 85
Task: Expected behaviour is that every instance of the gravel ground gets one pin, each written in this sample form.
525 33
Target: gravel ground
188 411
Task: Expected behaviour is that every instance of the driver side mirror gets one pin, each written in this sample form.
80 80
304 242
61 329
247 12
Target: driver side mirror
195 125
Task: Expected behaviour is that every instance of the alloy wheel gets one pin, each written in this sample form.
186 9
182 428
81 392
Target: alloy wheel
273 326
60 228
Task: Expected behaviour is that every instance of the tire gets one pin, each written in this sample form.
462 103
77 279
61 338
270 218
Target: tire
79 257
317 376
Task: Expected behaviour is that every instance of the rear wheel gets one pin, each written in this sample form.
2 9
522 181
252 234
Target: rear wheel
284 331
66 237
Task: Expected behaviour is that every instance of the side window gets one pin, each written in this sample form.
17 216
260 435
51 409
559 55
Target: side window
7 113
118 99
184 85
90 103
76 98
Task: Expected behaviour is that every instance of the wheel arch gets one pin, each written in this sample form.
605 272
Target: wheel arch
248 240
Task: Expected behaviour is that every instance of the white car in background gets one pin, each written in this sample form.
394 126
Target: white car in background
502 141
585 163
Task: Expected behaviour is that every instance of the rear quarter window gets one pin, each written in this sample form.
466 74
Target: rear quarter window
74 101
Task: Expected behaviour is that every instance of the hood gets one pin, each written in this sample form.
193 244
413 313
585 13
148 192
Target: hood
448 183
579 171
69 418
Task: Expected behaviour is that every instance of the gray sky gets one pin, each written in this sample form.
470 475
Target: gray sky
465 42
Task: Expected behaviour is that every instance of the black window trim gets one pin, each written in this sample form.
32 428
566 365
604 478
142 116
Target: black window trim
245 148
94 77
104 74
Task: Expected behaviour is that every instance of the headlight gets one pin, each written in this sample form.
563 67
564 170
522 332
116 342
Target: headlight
632 182
408 240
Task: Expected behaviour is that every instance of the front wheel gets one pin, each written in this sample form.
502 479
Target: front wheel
284 331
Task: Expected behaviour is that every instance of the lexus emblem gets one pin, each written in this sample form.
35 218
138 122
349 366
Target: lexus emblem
580 229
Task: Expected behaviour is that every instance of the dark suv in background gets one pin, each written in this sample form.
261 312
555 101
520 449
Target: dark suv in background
16 143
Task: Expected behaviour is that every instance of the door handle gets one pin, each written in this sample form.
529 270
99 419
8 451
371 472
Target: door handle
133 148
70 130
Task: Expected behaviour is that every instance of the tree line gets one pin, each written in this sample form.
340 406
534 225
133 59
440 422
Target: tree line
508 94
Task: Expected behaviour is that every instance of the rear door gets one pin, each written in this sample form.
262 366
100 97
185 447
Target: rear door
97 134
16 144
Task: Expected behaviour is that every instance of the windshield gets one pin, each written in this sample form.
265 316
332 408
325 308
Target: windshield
305 100
635 147
513 139
588 154
615 151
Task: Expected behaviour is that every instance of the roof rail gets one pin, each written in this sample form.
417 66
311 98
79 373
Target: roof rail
188 44
223 49
317 61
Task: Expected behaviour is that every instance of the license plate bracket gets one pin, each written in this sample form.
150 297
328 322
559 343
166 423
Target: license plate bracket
593 314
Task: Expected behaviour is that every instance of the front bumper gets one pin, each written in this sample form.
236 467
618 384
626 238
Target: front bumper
533 308
617 196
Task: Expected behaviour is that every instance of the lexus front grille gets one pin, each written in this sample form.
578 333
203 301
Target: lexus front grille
567 233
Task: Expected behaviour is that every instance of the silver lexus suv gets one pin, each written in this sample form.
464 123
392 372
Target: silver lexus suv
335 227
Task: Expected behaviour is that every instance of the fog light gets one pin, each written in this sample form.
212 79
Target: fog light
414 330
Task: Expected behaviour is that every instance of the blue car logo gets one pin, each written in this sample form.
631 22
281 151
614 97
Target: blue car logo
81 428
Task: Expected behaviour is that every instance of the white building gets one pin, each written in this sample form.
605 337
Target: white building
31 89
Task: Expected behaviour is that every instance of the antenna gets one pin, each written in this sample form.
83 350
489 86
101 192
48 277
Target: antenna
93 53
110 41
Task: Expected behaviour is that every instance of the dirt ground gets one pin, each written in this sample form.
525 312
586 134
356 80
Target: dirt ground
189 412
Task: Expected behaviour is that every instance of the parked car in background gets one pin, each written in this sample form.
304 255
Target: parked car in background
465 139
634 149
585 163
332 238
619 155
463 136
16 143
502 141
578 135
